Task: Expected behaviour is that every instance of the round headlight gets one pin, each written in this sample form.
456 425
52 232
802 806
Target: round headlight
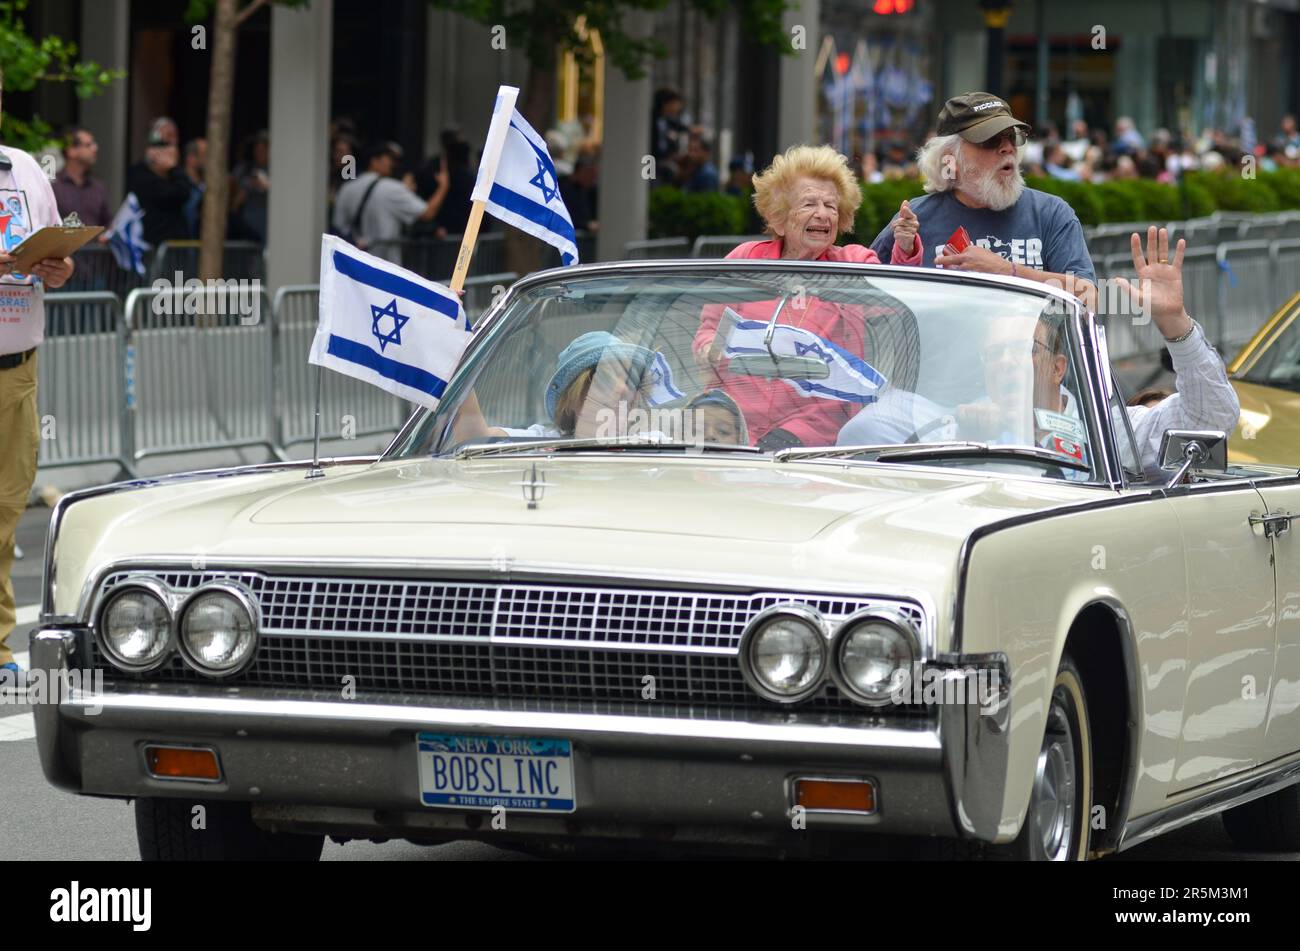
218 633
135 628
875 658
785 654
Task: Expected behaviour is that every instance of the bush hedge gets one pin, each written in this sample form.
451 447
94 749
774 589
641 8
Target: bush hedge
674 213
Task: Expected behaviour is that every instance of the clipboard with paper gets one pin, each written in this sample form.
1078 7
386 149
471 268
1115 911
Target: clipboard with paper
57 242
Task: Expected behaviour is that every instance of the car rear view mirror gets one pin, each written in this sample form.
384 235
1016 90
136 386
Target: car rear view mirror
779 366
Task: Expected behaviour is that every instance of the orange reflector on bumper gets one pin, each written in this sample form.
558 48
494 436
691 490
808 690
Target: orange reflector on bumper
172 762
842 795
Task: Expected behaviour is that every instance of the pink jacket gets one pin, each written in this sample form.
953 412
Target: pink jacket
774 404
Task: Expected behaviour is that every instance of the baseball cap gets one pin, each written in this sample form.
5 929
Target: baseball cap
977 117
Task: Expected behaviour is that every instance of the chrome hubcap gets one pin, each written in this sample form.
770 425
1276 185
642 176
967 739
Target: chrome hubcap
1054 800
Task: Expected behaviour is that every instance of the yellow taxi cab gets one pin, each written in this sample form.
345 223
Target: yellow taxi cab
1266 376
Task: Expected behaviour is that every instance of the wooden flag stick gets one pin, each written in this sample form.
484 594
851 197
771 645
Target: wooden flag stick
467 247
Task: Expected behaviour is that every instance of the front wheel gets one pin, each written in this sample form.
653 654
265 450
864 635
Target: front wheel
1057 822
182 830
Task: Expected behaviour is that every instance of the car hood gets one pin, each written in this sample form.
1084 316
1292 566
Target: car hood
1269 427
722 520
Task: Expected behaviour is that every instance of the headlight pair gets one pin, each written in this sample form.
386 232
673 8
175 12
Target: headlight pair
215 628
786 653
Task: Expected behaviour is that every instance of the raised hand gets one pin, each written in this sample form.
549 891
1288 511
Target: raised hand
1158 290
905 228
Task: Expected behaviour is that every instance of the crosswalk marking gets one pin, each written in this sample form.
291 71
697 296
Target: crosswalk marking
20 727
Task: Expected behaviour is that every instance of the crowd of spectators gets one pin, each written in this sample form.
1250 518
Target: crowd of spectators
170 181
1093 155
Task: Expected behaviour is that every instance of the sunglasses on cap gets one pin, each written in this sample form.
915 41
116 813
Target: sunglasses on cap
1016 135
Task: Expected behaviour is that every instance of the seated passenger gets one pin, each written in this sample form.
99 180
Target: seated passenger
807 197
717 419
595 388
1203 400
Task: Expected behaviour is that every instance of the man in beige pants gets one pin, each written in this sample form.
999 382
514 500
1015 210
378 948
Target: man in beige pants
26 205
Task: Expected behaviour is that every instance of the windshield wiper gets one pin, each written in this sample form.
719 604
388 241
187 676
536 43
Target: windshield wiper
561 444
800 453
981 450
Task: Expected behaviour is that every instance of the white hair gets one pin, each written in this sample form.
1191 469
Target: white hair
930 162
942 167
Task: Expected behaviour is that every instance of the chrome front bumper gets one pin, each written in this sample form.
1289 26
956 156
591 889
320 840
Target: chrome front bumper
349 767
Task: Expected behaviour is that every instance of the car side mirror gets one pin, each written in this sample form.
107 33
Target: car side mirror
1184 449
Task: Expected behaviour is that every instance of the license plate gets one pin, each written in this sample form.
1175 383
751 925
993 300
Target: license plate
525 774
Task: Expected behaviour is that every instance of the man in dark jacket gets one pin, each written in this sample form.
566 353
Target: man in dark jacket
162 189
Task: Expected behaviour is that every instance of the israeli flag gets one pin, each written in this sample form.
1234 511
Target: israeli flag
387 326
517 181
126 235
658 379
851 379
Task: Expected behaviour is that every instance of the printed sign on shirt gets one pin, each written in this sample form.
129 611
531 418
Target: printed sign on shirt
15 227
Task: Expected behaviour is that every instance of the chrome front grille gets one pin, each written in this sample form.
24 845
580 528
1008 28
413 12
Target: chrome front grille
510 640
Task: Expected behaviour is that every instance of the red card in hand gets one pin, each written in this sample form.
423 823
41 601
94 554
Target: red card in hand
958 242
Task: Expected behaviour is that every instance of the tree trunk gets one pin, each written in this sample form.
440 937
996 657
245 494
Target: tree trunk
216 177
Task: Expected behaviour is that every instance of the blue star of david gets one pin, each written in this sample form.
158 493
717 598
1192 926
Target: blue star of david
394 336
803 349
540 181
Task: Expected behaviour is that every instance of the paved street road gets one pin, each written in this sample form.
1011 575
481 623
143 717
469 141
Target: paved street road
39 822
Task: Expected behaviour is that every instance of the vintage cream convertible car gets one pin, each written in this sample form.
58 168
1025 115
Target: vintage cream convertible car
585 601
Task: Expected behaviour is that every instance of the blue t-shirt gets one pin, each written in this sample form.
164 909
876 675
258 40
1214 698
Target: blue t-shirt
1039 231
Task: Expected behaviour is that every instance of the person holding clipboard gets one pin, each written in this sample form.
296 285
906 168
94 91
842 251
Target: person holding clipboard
27 204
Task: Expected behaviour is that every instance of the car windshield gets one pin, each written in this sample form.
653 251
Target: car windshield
669 360
1278 365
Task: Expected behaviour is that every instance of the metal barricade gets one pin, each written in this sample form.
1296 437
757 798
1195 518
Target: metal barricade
1201 290
194 382
720 245
484 291
1285 258
96 269
1200 232
656 248
349 407
1246 291
80 395
240 260
586 242
1129 332
1262 228
1112 242
432 258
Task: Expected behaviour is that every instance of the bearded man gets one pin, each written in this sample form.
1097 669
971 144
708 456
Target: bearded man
972 179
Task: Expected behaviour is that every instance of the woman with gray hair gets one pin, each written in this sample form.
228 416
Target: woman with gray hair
807 197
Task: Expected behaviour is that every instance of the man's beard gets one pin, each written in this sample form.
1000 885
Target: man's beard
989 190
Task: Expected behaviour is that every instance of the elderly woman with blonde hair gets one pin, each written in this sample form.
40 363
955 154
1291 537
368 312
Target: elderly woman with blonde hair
807 197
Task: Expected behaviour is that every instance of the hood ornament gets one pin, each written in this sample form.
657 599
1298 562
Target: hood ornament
532 487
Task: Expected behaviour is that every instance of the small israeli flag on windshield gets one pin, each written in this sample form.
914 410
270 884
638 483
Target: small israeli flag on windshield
518 183
658 383
851 379
387 326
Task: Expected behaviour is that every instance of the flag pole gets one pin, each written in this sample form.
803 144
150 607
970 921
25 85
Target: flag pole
316 472
467 242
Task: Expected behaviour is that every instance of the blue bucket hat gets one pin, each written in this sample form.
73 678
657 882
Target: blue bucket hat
587 351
